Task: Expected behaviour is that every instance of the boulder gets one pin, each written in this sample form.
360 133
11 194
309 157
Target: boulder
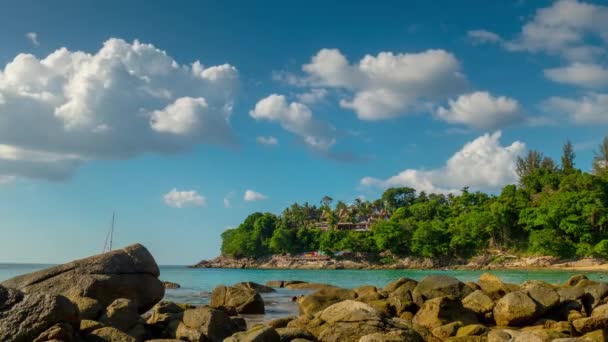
508 335
275 283
350 311
256 287
23 317
443 310
165 318
281 322
129 273
515 309
439 286
321 299
204 323
494 286
170 285
447 330
478 302
109 334
589 324
472 330
59 332
393 336
121 314
290 334
394 285
258 333
244 299
593 296
307 286
543 294
575 280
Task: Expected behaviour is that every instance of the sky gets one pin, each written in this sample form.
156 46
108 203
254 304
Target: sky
183 118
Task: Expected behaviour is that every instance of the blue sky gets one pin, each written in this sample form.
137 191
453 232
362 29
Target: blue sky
287 102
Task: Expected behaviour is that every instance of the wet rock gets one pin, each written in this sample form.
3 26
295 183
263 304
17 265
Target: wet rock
321 299
515 309
129 273
170 285
25 317
245 300
443 310
258 333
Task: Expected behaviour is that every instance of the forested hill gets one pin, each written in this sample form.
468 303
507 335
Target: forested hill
556 210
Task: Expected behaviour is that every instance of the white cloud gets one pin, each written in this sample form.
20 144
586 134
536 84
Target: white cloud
228 200
32 37
252 196
483 36
267 141
589 109
580 74
565 28
387 85
296 118
180 199
116 103
312 96
482 164
481 110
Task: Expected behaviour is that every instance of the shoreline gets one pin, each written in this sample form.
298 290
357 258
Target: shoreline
482 263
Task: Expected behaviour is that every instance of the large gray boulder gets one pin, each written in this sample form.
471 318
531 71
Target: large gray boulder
129 273
515 309
245 299
23 317
205 324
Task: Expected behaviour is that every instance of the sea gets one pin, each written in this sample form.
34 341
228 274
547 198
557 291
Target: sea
197 283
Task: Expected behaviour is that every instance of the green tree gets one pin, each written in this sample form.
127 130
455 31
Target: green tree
431 239
600 160
568 156
391 236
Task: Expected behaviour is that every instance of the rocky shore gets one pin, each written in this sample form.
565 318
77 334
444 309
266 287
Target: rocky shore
117 296
494 261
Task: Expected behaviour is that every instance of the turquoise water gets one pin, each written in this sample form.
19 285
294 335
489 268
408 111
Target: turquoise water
198 283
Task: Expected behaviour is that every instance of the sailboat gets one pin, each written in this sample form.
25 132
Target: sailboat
107 245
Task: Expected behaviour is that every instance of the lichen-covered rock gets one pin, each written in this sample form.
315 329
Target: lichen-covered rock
478 302
258 333
472 330
439 286
515 309
588 324
446 330
59 332
321 299
494 287
443 310
204 323
23 317
130 273
244 299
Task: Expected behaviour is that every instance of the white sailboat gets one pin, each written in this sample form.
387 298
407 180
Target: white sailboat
107 245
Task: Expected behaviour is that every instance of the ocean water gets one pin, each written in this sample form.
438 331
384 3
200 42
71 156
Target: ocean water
196 284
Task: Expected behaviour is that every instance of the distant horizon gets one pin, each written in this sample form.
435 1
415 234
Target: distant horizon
196 114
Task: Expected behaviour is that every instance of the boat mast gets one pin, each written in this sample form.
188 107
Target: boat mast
107 244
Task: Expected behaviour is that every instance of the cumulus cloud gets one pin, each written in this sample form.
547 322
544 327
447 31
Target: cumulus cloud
180 199
483 37
312 96
566 28
482 164
126 99
388 84
588 109
267 141
296 118
481 110
252 196
32 37
588 75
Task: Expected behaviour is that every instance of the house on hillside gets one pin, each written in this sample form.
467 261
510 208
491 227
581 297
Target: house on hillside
350 220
